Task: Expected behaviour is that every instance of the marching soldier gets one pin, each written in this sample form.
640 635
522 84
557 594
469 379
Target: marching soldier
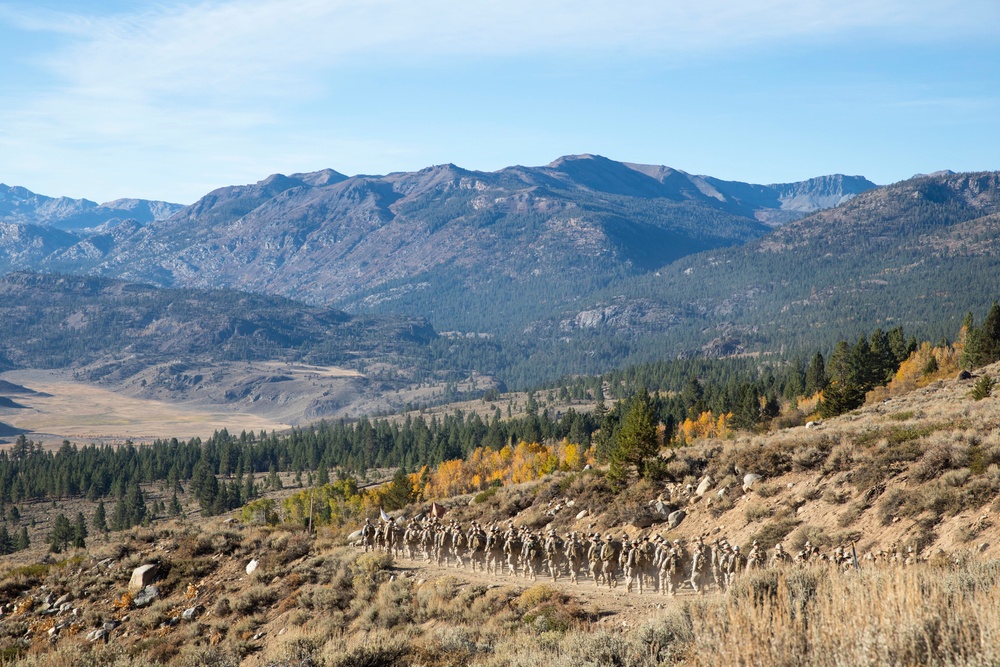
553 551
575 555
609 557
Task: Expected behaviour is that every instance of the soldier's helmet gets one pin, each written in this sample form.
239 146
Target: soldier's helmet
778 547
736 548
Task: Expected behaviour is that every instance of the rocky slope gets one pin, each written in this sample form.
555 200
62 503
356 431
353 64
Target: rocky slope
918 471
918 253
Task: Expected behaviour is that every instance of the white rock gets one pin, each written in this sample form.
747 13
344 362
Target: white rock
252 566
581 514
749 480
143 576
703 486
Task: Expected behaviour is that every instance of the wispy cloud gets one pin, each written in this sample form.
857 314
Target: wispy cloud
216 49
208 74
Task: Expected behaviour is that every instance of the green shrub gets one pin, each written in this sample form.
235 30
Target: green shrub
756 513
255 599
982 388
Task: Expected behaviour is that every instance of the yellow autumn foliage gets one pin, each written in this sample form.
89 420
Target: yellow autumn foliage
914 372
706 426
509 465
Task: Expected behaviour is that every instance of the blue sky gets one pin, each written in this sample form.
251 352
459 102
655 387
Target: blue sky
168 100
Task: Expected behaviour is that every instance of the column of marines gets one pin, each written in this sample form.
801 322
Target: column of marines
648 563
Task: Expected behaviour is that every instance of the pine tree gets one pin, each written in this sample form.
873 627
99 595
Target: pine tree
249 490
273 479
175 506
80 531
693 396
6 543
746 408
100 520
637 442
399 492
22 539
130 510
990 336
816 379
845 390
62 533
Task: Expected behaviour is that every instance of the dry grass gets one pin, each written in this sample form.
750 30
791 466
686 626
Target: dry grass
85 412
908 616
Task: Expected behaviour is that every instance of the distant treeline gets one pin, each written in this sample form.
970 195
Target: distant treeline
225 471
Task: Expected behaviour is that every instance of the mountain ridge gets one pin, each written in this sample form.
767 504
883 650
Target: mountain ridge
22 206
329 239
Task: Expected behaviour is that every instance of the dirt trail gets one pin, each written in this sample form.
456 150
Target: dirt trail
615 607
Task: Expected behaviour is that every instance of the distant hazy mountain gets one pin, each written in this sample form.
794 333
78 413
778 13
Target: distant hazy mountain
22 206
919 253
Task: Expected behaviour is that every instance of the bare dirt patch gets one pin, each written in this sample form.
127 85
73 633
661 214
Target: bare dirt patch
64 409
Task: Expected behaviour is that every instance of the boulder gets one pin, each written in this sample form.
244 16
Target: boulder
581 514
252 566
644 520
190 613
97 635
749 480
660 509
146 596
143 576
354 537
674 518
703 486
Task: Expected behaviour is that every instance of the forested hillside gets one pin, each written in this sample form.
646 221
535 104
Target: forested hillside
918 254
53 321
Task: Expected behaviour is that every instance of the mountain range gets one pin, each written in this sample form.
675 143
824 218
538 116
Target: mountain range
22 206
448 242
578 266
